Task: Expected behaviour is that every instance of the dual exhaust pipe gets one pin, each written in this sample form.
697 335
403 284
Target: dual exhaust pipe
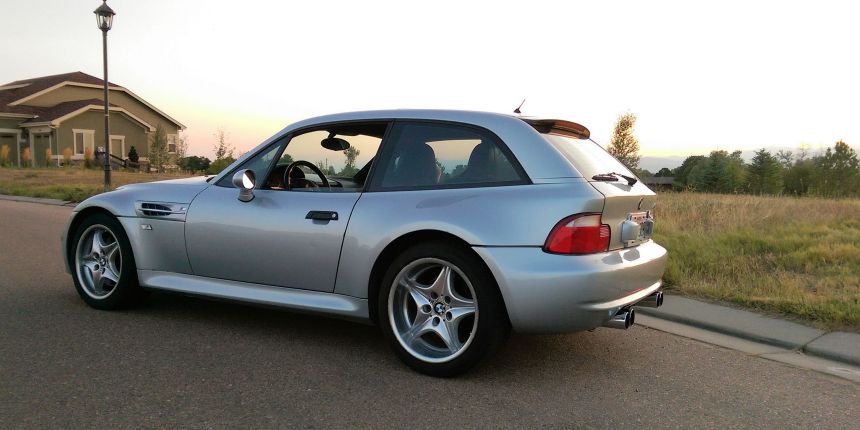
626 316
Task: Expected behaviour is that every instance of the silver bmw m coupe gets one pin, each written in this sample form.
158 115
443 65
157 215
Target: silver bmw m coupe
447 229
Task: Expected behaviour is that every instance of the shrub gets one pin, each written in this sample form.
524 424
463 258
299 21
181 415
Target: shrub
67 157
48 157
218 165
89 158
25 157
132 155
4 155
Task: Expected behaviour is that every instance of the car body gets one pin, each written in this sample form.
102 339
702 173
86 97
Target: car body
326 250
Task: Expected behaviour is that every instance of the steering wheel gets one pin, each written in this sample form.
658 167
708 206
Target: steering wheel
288 180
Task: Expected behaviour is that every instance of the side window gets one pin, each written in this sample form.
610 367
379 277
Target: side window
428 155
259 164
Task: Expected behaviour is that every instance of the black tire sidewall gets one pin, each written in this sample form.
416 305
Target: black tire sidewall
492 328
128 292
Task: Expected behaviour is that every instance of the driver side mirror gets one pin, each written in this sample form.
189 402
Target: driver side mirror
245 181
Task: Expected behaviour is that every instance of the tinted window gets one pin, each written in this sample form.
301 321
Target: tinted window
428 155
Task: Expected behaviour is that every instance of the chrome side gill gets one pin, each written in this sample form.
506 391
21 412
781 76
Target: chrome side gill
161 210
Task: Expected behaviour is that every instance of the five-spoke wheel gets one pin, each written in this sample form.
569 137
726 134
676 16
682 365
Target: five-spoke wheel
98 260
441 309
433 310
102 263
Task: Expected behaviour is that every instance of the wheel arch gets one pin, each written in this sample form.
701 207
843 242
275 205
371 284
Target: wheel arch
400 244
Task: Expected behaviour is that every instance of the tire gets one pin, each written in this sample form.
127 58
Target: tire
441 310
102 264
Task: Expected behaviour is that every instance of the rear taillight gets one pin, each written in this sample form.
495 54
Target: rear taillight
578 234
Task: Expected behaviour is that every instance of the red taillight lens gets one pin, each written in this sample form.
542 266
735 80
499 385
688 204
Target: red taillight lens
578 234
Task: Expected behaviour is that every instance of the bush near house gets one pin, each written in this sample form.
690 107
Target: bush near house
89 158
48 157
25 158
67 157
4 155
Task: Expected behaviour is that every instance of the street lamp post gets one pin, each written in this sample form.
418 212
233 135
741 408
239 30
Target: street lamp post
104 19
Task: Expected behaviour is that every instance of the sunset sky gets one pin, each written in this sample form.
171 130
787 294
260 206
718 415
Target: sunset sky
700 76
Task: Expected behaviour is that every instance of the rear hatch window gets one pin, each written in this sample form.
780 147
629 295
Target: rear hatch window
586 156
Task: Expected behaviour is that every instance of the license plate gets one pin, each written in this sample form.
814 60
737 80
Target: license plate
646 224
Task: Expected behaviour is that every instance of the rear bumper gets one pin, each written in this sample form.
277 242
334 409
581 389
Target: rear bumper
549 293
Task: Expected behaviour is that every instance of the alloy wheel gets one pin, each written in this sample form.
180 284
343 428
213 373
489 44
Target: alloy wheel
432 310
98 261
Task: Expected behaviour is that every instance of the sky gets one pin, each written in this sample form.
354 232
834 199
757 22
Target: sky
699 75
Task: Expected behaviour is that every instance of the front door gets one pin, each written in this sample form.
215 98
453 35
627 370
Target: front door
290 234
268 240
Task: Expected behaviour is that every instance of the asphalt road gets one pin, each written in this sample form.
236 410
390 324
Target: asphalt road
187 362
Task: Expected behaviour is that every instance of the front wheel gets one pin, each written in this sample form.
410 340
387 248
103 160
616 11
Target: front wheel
444 312
103 266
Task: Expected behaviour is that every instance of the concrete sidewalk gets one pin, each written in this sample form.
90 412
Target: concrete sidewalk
838 346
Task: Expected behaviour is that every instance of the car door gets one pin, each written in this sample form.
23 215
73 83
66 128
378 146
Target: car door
274 239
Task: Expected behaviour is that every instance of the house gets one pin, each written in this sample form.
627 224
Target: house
663 183
67 111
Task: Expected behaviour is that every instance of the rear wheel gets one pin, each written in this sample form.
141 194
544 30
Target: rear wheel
443 310
103 266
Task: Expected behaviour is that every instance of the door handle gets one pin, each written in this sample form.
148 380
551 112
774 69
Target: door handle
322 215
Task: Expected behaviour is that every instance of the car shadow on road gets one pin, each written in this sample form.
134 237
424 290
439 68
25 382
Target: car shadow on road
525 355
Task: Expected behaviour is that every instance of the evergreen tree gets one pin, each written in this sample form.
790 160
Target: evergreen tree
132 155
765 174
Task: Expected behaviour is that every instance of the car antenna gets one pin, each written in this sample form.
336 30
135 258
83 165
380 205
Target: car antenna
517 110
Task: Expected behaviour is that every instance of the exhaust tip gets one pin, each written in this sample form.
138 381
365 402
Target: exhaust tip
653 300
622 320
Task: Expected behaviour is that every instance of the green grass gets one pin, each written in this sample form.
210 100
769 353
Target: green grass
71 184
798 257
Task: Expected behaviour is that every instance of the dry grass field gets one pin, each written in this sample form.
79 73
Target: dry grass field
794 256
71 184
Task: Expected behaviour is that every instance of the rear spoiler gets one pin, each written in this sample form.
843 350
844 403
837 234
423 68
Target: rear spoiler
558 126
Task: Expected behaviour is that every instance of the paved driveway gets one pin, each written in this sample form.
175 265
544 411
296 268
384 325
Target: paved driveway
188 362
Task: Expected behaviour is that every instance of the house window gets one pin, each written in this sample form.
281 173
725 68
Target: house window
171 143
117 145
84 139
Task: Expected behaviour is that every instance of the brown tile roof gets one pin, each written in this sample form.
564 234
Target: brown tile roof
52 113
35 85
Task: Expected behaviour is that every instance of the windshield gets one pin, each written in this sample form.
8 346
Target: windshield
587 156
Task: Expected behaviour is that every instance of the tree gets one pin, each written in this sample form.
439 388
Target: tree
181 147
765 174
223 148
324 166
218 165
798 177
786 158
624 146
158 151
132 155
837 171
349 170
194 163
664 172
722 173
688 172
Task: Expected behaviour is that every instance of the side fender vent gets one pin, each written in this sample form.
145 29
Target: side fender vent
164 210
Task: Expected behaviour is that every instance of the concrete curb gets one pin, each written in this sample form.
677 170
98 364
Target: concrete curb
38 200
837 346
